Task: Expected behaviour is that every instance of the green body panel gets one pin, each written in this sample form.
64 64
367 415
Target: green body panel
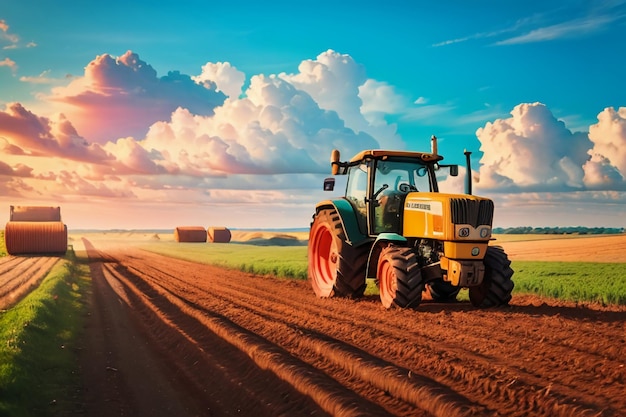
382 238
354 236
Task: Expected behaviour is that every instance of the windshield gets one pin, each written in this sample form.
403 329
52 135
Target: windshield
402 175
394 179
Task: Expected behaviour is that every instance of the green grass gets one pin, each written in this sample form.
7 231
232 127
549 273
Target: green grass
3 248
38 345
279 261
574 281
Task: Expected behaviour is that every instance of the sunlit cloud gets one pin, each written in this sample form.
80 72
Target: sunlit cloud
226 146
42 78
120 97
226 78
338 83
533 151
607 166
9 63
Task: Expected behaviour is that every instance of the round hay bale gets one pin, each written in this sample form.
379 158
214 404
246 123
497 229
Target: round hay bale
218 234
35 214
35 237
190 234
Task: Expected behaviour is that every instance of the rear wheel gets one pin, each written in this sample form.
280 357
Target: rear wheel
497 285
336 268
399 277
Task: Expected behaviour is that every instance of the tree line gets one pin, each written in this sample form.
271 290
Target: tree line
578 230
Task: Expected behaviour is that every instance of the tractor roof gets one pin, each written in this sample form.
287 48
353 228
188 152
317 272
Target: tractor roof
379 153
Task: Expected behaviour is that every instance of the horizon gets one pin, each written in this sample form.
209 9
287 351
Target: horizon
149 117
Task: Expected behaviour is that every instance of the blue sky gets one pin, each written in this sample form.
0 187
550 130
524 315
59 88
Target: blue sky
225 113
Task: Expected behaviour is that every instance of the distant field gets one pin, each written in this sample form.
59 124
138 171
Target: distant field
569 267
572 267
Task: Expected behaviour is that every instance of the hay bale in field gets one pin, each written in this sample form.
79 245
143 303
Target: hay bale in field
35 214
31 237
190 234
218 234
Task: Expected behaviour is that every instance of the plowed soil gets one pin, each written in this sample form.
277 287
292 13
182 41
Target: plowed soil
19 275
168 337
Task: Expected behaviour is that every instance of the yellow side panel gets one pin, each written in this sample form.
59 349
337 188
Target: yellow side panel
428 215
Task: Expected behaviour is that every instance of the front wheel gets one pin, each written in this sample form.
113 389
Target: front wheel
399 277
496 288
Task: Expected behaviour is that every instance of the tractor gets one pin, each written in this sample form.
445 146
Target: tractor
394 226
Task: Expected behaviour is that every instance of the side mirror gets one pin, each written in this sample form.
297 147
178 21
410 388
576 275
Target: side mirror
334 164
329 184
454 170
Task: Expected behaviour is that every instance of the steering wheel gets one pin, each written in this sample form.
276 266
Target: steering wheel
406 188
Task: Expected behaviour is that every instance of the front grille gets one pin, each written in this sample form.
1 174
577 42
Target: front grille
472 212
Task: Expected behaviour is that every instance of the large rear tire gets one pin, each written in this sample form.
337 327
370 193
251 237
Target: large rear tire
399 277
497 285
336 268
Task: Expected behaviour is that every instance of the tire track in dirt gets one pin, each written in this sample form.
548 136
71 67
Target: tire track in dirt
20 274
394 381
514 361
240 385
514 376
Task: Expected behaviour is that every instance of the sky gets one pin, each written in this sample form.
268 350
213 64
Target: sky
141 115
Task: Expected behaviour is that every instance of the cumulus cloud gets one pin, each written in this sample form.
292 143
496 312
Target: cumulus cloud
607 166
338 83
224 76
531 150
205 139
271 129
23 132
274 129
120 97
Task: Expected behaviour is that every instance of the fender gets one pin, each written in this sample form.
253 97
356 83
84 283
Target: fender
381 240
354 236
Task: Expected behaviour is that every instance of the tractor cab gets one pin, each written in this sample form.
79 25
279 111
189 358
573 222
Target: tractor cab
377 188
379 182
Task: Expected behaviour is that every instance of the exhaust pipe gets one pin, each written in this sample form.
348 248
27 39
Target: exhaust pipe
468 179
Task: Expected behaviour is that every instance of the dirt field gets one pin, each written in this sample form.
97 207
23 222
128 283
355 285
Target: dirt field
168 337
575 249
18 275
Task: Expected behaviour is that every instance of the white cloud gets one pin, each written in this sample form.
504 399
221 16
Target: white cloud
575 28
532 150
607 167
9 63
227 78
120 97
338 83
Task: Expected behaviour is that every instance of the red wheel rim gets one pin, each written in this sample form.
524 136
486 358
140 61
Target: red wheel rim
387 282
325 257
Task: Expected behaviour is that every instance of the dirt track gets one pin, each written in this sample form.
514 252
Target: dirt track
169 337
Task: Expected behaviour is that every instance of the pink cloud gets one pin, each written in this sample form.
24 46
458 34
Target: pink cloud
23 132
8 62
120 97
